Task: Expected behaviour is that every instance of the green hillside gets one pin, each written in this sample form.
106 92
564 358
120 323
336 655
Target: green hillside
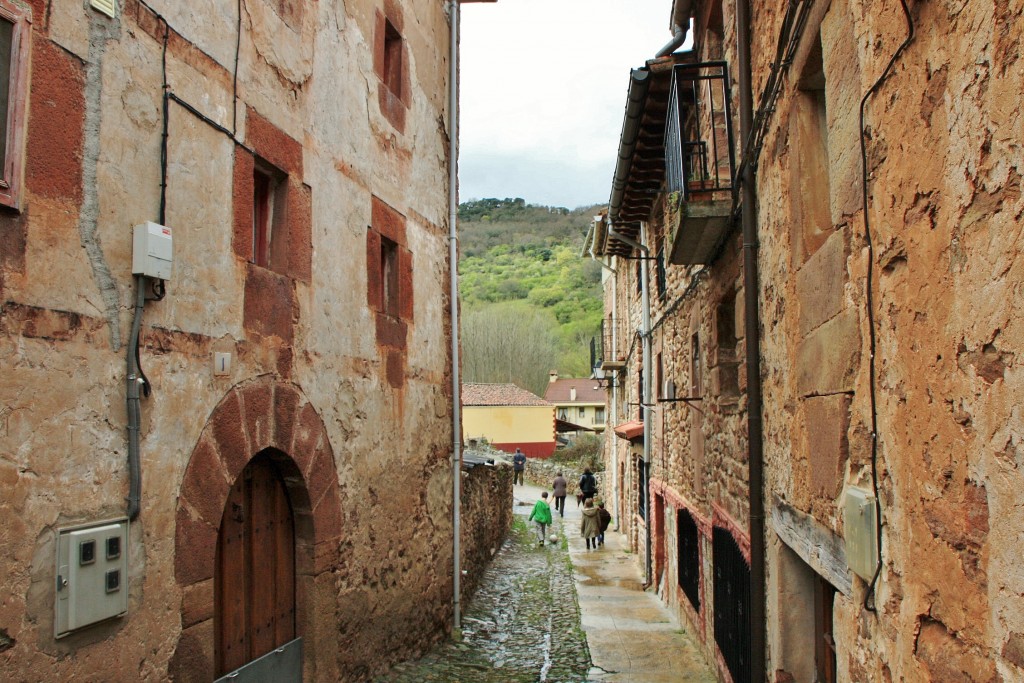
522 279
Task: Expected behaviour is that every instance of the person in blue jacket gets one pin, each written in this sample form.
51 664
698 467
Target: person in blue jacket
518 467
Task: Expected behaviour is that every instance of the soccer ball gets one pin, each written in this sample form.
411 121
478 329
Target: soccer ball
553 538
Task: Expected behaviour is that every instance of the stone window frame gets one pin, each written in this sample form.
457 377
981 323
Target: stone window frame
15 128
392 315
391 64
269 216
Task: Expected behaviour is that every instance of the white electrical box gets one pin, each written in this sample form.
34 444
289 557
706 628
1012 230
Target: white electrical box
152 251
92 575
861 530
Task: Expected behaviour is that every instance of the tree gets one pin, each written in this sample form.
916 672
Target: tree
509 342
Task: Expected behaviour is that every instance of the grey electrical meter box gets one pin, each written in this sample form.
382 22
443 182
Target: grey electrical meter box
861 530
92 575
152 251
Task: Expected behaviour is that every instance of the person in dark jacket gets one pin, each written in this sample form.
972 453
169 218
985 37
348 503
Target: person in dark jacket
604 518
518 467
558 487
587 485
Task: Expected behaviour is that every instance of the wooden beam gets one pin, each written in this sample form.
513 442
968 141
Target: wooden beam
816 545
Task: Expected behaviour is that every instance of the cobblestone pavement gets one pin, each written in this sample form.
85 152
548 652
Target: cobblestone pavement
522 625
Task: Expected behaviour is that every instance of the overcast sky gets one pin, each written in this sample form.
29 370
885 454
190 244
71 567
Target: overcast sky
543 93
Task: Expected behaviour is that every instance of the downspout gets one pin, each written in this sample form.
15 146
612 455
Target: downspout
453 276
645 336
680 27
752 332
613 413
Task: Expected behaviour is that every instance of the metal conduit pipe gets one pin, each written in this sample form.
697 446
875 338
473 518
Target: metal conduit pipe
752 336
453 270
680 27
134 405
645 333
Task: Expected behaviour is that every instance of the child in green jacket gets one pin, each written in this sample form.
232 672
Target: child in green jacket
541 516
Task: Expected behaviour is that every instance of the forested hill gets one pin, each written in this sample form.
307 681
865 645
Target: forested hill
530 302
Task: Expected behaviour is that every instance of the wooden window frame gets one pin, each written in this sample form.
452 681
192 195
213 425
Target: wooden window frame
390 295
394 58
15 125
268 213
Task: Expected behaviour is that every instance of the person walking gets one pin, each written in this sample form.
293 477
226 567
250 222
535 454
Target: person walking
541 516
518 467
558 487
588 485
590 525
604 518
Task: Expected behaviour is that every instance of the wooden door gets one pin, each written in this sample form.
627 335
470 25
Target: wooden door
254 584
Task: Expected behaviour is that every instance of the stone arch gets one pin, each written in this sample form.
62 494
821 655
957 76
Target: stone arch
260 415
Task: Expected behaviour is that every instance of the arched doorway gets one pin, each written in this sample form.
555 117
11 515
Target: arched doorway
254 580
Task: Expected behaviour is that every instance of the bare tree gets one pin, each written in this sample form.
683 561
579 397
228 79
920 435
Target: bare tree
509 342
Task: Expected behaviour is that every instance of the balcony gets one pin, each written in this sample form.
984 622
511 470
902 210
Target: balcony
602 357
699 162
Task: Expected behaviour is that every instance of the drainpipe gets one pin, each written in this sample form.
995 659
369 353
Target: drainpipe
645 336
613 413
680 27
453 276
752 332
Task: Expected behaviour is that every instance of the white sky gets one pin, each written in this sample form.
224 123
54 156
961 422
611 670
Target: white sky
543 94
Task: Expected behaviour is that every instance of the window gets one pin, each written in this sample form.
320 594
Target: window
393 58
563 414
732 603
14 47
599 416
582 412
642 471
688 546
661 278
824 642
389 276
811 159
268 204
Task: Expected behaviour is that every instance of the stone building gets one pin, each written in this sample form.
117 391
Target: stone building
879 153
284 441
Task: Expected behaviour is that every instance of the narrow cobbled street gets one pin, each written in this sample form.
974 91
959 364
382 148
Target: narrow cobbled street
525 622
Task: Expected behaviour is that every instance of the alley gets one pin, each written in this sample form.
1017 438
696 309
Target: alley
561 613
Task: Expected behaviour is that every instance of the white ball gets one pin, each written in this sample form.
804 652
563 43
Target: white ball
553 538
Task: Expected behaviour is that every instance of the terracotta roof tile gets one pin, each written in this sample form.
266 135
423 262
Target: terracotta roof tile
587 391
474 394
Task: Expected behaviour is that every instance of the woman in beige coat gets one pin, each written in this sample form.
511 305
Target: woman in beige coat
590 527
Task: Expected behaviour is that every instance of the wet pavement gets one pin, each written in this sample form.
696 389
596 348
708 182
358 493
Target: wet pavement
561 613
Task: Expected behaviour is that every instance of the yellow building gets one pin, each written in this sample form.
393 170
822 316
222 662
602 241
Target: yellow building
509 418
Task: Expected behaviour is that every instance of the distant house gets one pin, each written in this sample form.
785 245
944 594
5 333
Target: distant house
508 417
577 401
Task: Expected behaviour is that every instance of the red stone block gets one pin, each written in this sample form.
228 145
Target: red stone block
374 284
269 307
193 657
395 369
388 222
300 231
273 144
308 432
195 547
322 474
390 332
242 204
257 404
327 519
286 402
56 125
232 443
405 285
205 485
197 603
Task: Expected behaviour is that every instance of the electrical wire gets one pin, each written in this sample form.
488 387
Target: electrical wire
869 596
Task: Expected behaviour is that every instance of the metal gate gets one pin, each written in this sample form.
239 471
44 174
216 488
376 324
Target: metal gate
732 604
688 543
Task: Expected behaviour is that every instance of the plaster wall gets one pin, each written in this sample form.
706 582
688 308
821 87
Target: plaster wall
307 100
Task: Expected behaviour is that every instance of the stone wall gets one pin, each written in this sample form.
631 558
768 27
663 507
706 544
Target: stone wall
486 520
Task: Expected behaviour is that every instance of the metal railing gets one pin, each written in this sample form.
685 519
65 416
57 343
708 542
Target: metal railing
699 145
